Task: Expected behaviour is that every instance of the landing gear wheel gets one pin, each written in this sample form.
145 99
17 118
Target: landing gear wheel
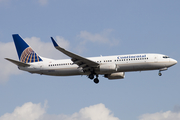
91 76
96 80
160 74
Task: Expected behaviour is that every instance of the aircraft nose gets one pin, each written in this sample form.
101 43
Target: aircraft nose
173 61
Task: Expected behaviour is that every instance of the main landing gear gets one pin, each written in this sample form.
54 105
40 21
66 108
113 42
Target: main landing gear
96 80
91 76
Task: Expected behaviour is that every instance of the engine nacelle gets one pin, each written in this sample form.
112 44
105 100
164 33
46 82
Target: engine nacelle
118 75
108 68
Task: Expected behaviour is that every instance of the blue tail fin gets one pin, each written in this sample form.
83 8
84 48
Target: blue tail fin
25 53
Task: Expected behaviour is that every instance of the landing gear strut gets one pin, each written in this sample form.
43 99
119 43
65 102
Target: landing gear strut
96 80
162 69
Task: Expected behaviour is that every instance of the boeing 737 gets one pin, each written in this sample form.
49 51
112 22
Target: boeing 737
111 67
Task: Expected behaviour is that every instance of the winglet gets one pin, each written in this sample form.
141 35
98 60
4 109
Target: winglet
54 42
75 57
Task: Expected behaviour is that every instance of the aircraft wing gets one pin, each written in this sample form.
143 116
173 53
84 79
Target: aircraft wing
80 61
18 63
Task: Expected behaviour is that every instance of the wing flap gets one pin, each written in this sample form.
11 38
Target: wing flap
18 63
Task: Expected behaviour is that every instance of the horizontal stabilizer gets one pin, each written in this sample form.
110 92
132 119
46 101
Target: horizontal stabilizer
18 63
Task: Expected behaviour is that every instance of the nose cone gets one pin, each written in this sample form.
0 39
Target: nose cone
173 61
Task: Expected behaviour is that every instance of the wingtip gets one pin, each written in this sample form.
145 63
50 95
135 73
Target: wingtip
54 42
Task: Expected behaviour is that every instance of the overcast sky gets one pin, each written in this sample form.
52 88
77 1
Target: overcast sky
90 28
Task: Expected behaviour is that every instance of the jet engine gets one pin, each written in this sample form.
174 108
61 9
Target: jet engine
118 75
108 68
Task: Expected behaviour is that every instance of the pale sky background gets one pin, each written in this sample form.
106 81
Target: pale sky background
90 28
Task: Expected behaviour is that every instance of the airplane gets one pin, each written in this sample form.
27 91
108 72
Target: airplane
112 67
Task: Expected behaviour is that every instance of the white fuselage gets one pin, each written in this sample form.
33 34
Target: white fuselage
107 65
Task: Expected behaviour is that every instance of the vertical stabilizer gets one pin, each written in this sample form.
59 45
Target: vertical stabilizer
25 53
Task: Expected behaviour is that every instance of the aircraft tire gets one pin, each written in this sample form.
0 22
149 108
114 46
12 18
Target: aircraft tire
91 76
96 80
160 74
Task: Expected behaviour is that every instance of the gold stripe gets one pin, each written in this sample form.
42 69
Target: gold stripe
34 56
37 58
28 58
25 58
22 56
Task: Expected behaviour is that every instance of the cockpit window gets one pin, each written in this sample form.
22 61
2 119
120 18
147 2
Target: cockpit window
165 57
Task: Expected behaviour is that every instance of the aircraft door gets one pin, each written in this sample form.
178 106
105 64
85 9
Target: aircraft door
155 58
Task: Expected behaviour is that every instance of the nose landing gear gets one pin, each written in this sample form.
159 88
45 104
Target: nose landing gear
162 69
160 74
